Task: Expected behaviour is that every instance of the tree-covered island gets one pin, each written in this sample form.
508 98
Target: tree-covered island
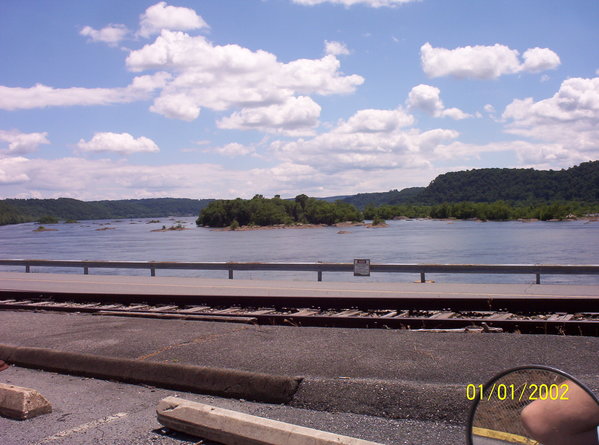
261 211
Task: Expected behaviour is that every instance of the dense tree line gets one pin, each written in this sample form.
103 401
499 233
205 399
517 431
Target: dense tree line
261 211
14 211
492 211
579 183
405 196
10 215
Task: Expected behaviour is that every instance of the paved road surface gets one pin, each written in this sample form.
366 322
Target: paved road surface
120 284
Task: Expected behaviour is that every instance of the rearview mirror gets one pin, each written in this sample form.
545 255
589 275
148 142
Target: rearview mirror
533 405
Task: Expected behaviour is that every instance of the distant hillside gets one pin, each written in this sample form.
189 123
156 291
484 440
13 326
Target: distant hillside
392 197
579 183
22 210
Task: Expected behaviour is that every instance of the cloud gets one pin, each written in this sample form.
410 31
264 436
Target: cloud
572 111
335 48
557 132
122 143
96 179
484 62
297 116
161 16
176 106
347 3
375 121
232 150
369 140
111 34
193 73
11 170
569 118
230 76
19 143
41 96
428 99
529 154
540 59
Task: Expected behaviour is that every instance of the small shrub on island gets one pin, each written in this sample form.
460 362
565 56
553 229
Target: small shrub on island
377 221
48 219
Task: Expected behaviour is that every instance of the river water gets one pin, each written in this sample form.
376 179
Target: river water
413 241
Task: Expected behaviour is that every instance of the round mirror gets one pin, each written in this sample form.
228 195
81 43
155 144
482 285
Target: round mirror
533 405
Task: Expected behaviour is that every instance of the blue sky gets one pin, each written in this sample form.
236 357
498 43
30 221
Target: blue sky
220 99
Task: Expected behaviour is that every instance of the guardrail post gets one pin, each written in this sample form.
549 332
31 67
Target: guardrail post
538 278
422 277
230 273
320 275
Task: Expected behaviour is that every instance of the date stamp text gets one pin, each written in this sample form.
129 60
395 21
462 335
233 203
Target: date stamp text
523 392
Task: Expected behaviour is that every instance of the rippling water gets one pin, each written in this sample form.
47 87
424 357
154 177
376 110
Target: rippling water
416 241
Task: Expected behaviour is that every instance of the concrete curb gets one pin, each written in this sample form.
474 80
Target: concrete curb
395 399
233 428
215 381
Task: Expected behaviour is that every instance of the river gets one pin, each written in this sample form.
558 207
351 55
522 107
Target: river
412 241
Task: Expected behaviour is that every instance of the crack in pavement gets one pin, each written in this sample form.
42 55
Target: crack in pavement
196 340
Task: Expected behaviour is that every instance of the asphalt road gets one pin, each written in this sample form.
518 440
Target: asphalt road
98 412
387 373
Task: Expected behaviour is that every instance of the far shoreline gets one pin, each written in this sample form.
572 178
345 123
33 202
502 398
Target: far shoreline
348 224
588 219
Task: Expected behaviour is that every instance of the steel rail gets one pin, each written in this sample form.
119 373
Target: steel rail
440 319
320 267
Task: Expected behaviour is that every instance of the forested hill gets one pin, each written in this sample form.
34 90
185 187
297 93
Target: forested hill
392 197
23 210
579 183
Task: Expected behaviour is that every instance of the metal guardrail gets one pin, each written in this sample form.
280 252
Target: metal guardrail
422 269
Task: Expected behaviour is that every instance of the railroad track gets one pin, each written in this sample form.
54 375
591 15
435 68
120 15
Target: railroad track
401 314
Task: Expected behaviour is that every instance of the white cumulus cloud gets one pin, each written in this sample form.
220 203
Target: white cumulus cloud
122 143
221 77
13 170
19 143
369 140
529 154
335 48
484 62
176 106
111 34
162 16
232 150
41 96
540 59
564 127
428 99
375 121
297 116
